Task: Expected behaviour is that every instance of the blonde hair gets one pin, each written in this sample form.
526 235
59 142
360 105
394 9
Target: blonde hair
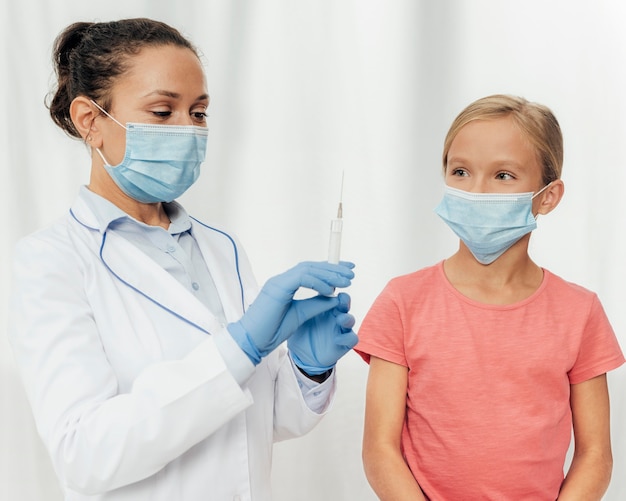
535 120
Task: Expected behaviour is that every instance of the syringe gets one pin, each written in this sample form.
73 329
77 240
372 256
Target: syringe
336 226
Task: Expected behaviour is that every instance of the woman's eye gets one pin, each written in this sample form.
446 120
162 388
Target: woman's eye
196 116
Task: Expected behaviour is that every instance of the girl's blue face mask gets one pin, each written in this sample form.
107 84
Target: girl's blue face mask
488 223
161 162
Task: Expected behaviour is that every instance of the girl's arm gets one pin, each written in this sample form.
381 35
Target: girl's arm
590 471
385 467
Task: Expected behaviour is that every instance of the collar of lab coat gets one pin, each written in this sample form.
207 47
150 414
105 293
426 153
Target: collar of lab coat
142 275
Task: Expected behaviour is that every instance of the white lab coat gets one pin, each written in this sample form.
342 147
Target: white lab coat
131 400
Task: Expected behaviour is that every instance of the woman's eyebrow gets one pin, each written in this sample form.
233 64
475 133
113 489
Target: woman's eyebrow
174 95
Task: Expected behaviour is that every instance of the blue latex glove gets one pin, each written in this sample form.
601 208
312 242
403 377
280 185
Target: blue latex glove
317 345
275 314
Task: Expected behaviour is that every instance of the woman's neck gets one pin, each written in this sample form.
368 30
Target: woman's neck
152 214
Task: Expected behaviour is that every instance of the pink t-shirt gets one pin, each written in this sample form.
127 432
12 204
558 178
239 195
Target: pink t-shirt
488 413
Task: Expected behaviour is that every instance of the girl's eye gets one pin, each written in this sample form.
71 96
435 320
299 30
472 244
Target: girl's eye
458 172
505 176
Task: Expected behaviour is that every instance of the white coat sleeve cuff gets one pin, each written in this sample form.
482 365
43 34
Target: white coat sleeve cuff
235 359
316 395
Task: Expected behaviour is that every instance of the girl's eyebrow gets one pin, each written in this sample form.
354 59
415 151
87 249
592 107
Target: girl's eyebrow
501 163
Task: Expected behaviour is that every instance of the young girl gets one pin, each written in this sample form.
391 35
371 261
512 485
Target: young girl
481 364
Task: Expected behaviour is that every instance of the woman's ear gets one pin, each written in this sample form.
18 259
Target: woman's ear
83 114
550 198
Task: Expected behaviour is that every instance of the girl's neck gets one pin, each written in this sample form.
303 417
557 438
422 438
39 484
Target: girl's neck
509 279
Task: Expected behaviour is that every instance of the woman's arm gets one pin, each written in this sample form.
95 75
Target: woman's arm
385 467
102 437
590 471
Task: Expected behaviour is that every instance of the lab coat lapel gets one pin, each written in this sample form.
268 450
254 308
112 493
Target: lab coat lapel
220 255
142 274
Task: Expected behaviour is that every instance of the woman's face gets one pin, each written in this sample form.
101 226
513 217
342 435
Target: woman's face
164 85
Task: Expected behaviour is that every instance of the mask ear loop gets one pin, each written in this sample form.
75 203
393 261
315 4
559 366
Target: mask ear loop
112 118
102 157
539 193
107 114
542 190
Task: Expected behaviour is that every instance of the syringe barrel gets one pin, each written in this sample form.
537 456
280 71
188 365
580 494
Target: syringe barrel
334 246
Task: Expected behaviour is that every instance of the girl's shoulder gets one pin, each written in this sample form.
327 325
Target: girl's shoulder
424 277
556 285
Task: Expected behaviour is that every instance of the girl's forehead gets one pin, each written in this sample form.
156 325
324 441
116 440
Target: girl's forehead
496 141
498 132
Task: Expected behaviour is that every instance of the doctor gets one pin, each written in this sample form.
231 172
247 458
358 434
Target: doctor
154 368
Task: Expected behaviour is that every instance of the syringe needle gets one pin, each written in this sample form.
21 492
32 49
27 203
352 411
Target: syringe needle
340 208
336 227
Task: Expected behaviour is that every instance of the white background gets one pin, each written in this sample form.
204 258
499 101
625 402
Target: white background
301 92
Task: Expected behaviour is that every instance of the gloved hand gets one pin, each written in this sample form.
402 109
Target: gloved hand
275 314
317 345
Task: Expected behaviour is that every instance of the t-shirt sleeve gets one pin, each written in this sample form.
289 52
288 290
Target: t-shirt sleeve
599 350
382 331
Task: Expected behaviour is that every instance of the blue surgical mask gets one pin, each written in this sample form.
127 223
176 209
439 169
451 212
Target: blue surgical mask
488 223
161 162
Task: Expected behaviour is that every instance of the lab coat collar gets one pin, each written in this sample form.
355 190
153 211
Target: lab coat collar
123 260
101 213
106 212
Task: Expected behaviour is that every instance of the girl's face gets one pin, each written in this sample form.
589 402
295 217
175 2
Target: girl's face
164 85
493 156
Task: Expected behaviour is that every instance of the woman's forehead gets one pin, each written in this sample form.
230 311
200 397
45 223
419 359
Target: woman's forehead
164 69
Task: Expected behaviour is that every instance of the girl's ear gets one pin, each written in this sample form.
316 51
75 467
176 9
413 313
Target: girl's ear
83 114
550 198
